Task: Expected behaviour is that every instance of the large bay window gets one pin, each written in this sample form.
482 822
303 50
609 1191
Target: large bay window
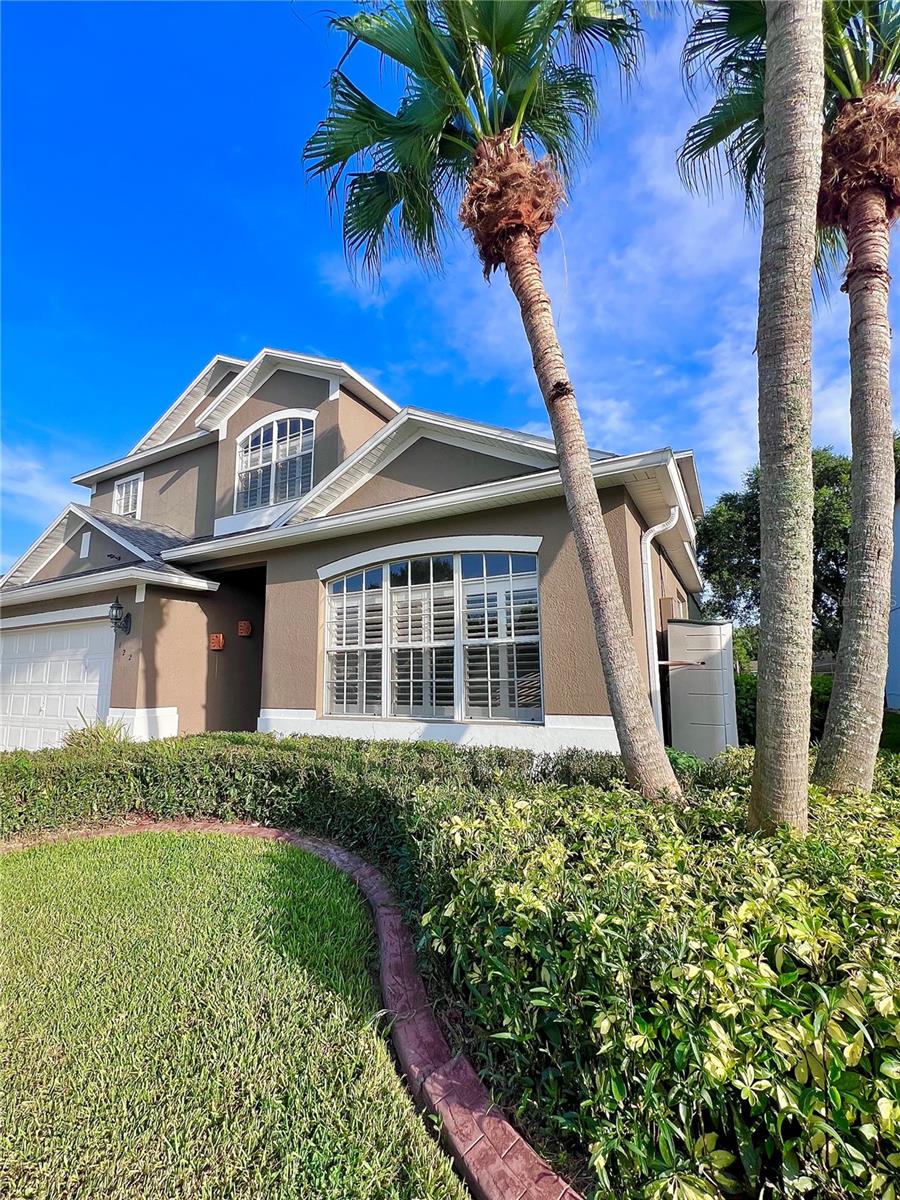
443 637
275 461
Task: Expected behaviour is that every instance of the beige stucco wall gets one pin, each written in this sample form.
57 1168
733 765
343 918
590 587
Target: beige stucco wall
429 466
342 425
104 552
212 689
178 492
573 684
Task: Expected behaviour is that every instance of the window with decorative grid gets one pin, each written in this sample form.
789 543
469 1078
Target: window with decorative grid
275 462
442 637
127 496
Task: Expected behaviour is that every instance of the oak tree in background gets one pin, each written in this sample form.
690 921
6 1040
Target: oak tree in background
487 87
728 549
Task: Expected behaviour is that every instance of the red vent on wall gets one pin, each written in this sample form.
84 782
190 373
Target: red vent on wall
217 641
244 628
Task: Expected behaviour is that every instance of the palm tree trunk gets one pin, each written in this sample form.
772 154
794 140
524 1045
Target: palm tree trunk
793 132
646 764
853 726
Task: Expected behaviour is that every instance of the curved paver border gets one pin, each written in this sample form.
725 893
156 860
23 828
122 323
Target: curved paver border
495 1161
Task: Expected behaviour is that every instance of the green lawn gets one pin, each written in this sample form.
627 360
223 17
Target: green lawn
193 1016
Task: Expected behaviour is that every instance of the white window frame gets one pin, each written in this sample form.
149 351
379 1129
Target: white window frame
139 477
359 564
85 547
305 414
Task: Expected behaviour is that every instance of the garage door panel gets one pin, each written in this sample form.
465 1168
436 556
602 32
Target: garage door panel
53 678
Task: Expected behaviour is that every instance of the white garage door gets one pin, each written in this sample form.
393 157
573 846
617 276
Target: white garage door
53 678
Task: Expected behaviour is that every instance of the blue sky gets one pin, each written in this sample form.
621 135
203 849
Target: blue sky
154 213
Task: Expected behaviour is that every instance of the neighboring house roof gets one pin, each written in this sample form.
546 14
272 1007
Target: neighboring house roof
140 538
267 362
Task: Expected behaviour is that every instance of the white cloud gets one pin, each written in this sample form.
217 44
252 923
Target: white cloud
35 486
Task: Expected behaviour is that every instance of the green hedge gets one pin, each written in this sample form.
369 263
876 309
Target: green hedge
745 698
700 1011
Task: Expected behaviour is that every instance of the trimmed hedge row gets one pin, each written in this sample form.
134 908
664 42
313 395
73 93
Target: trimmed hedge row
699 1011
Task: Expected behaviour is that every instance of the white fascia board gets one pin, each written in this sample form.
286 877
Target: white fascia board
74 585
513 543
520 489
415 424
143 458
35 544
97 522
197 382
692 485
542 448
387 433
265 363
82 514
58 616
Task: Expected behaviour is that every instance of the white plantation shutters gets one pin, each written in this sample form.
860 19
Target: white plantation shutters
447 637
501 637
275 463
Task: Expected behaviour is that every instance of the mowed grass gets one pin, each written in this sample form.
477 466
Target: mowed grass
193 1015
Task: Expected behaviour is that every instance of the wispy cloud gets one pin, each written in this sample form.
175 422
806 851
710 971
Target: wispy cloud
34 485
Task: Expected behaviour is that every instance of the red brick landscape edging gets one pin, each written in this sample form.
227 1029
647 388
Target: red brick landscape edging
495 1161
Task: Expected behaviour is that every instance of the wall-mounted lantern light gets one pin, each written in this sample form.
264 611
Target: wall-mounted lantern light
118 618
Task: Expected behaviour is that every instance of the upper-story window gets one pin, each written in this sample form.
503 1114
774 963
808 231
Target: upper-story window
275 461
127 496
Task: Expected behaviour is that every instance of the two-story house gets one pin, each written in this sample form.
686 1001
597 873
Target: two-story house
288 550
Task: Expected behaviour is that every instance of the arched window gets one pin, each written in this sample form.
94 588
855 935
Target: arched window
452 636
275 460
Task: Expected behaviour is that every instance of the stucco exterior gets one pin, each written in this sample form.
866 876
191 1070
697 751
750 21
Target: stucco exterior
166 679
177 492
103 552
293 664
425 467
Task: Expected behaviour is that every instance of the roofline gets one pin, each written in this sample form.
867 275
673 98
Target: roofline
427 422
73 585
689 456
86 515
327 366
144 458
217 358
520 487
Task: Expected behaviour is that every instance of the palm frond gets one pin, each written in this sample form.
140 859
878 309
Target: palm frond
729 140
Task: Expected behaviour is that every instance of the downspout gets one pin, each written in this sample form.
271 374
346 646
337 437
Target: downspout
650 612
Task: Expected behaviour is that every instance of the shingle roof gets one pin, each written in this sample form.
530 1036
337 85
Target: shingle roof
152 539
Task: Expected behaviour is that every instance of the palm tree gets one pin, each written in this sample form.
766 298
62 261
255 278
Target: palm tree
860 195
486 86
858 200
788 123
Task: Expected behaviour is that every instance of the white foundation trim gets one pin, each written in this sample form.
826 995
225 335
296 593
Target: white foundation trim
518 544
557 732
143 724
58 617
